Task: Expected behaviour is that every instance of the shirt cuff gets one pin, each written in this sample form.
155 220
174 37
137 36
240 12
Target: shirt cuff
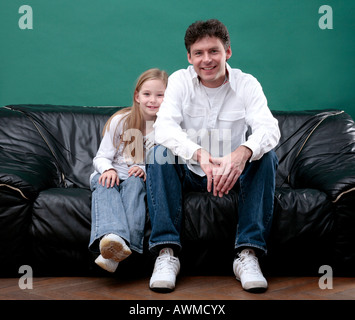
187 150
105 168
255 149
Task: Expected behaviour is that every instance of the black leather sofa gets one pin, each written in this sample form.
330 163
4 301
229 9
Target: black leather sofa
46 154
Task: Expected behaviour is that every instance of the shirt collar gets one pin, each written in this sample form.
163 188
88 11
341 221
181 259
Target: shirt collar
194 75
231 79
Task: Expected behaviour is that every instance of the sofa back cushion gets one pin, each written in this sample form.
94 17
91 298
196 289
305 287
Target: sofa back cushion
70 135
315 145
18 134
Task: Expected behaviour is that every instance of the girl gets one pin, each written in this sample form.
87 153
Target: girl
118 182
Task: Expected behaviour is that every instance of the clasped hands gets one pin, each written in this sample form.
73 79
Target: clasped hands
223 172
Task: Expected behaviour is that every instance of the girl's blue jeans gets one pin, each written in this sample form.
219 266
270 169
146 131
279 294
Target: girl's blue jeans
120 210
167 177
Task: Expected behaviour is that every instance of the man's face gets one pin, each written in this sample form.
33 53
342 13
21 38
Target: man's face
208 58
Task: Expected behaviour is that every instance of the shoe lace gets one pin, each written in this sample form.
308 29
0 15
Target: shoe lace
248 262
166 264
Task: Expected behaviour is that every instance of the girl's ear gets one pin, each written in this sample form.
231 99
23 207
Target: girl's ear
136 96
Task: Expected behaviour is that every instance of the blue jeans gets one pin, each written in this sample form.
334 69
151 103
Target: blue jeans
165 182
120 210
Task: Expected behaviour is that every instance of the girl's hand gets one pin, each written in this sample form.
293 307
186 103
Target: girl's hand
137 172
109 178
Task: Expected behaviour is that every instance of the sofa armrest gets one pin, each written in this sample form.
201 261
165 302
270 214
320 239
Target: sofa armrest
335 179
26 174
326 160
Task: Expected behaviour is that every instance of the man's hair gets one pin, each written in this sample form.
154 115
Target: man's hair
209 28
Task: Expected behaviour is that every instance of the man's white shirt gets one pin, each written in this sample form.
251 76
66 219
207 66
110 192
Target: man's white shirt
188 119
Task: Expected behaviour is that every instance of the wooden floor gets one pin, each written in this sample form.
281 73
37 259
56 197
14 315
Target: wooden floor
188 288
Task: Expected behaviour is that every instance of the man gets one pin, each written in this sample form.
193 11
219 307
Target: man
201 128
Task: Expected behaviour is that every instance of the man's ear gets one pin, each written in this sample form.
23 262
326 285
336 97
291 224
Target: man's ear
228 53
189 58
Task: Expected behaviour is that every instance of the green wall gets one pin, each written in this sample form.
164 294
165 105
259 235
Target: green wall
90 52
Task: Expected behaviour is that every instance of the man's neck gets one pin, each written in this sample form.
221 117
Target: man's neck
220 83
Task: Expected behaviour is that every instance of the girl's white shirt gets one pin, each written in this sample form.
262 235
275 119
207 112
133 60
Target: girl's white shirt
109 157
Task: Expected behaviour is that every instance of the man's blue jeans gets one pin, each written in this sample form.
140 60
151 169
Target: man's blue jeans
165 182
119 210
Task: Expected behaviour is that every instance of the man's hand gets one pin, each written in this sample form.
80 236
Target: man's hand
204 159
109 178
228 169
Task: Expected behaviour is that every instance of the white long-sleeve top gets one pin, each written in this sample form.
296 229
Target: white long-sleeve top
108 156
188 119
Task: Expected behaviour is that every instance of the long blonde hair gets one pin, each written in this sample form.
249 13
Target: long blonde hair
133 119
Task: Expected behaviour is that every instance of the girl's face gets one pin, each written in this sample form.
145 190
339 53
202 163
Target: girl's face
150 96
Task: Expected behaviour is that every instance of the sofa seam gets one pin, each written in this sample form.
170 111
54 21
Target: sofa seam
341 194
14 188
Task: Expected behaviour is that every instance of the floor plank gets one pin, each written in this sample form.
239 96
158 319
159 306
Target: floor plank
187 288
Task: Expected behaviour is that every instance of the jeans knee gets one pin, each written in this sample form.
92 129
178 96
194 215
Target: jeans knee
134 182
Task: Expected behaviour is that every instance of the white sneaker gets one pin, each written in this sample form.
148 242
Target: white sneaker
247 270
166 268
106 264
114 247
